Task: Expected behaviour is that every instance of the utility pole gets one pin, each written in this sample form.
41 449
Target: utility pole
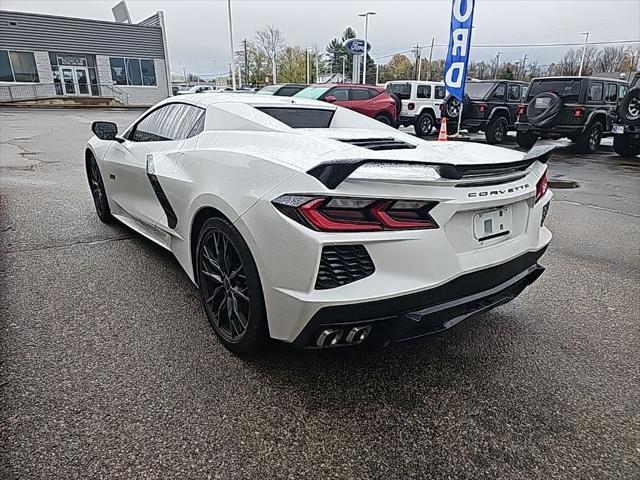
246 62
377 72
584 51
233 62
184 75
524 68
495 75
308 69
433 41
344 70
416 52
317 69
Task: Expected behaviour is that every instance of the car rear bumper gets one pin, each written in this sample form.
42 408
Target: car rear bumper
406 120
552 130
428 311
626 130
474 123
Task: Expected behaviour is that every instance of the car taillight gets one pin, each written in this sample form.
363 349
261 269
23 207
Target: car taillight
342 214
411 105
542 186
578 111
482 107
521 109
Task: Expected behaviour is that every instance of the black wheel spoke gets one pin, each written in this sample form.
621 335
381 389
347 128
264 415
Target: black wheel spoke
223 284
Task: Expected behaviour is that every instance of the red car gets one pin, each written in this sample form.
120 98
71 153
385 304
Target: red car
368 100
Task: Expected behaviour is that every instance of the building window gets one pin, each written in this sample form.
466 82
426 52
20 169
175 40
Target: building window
18 67
6 74
148 72
132 71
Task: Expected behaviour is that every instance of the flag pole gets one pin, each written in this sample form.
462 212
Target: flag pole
460 118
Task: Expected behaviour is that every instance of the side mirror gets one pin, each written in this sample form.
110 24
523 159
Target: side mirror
330 99
105 130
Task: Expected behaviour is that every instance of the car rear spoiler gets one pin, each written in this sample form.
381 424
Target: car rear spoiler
333 173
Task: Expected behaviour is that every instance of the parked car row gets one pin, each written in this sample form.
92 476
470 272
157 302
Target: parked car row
583 109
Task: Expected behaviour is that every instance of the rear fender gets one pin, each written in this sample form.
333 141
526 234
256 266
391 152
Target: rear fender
499 111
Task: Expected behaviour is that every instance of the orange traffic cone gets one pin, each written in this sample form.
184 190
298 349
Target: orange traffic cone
442 136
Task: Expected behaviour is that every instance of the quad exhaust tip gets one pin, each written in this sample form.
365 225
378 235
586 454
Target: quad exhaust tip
332 337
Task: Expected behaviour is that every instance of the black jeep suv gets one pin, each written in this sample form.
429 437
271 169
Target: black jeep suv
488 105
580 108
626 131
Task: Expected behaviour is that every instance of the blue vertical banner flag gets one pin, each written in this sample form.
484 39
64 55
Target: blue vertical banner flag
459 44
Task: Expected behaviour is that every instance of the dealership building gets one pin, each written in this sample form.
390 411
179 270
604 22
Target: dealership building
53 58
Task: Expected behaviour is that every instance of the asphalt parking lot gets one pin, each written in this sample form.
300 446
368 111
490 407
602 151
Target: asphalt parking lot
108 367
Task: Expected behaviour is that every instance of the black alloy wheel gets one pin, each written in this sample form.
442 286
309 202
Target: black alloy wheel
589 141
497 130
633 108
230 287
424 124
452 107
98 192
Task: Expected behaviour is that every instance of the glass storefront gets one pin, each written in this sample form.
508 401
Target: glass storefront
74 74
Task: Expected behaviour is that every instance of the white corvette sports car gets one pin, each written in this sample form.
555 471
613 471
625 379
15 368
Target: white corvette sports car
308 223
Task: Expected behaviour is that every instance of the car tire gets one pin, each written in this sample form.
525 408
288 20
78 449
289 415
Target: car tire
384 118
526 139
589 140
548 114
626 145
98 192
230 288
424 124
496 131
630 107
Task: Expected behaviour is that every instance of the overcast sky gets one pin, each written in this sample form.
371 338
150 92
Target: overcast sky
197 29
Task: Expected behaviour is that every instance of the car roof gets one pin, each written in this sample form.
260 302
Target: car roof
419 82
205 100
576 77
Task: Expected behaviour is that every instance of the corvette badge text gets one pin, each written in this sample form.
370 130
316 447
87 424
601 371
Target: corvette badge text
488 193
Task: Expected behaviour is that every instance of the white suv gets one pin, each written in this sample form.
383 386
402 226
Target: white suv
420 103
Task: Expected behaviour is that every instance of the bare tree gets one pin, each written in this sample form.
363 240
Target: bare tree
271 42
609 59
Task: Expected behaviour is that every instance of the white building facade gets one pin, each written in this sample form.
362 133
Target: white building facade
48 56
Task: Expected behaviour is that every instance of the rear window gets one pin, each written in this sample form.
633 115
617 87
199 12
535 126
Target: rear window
568 90
289 91
312 92
268 90
402 90
478 91
441 92
300 117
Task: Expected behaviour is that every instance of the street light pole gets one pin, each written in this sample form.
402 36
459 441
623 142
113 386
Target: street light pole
308 68
233 61
433 41
344 69
584 51
366 43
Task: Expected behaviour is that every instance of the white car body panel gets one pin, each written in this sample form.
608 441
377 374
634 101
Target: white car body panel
244 159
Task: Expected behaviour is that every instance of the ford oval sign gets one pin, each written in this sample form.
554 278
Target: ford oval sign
355 46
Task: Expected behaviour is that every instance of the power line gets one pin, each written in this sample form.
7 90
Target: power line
521 45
